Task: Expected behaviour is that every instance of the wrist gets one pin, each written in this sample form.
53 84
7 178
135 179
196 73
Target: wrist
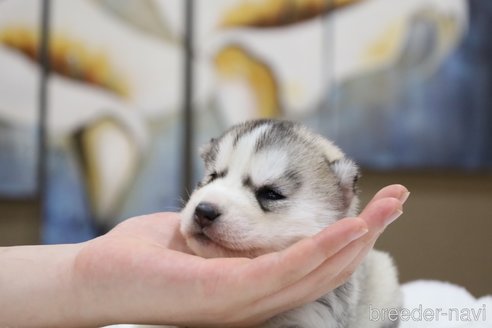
37 286
89 290
95 287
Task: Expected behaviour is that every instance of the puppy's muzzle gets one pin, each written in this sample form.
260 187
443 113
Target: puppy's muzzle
205 214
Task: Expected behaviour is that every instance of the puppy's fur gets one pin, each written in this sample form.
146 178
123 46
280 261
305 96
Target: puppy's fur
270 183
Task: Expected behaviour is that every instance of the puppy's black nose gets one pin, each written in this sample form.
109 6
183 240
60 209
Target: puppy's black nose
205 214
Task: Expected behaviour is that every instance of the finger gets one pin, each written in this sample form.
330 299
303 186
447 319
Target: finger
275 271
371 238
378 215
381 212
386 206
392 191
359 258
317 283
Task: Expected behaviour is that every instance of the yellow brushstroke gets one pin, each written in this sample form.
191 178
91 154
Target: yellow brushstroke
268 13
233 62
385 47
69 57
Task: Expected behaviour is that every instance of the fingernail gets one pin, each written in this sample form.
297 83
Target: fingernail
404 197
393 217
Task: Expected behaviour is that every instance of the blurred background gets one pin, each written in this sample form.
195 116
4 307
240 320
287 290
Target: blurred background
103 104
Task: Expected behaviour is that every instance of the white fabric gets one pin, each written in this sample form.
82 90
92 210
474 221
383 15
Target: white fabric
446 305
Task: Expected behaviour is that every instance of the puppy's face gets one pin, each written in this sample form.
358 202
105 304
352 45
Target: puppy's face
267 184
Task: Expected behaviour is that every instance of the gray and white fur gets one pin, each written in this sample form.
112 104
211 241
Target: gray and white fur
270 183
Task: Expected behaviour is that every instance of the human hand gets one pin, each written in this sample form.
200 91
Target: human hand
143 272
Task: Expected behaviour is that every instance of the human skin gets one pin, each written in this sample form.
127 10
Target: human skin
142 272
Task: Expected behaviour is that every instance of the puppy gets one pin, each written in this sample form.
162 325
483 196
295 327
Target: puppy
270 183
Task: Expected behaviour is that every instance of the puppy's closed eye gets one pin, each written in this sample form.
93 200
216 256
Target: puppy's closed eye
208 179
269 193
212 176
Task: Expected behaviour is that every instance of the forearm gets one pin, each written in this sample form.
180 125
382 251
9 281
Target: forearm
36 287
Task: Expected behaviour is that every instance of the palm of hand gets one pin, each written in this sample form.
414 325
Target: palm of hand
144 260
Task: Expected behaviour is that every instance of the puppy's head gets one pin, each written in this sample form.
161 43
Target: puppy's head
267 184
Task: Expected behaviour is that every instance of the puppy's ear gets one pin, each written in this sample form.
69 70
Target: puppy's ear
348 174
207 151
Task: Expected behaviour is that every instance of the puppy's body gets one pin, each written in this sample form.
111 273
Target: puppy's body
267 185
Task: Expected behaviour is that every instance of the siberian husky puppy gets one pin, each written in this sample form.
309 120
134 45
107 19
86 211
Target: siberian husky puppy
270 183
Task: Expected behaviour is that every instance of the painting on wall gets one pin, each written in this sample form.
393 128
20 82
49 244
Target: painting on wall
396 85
